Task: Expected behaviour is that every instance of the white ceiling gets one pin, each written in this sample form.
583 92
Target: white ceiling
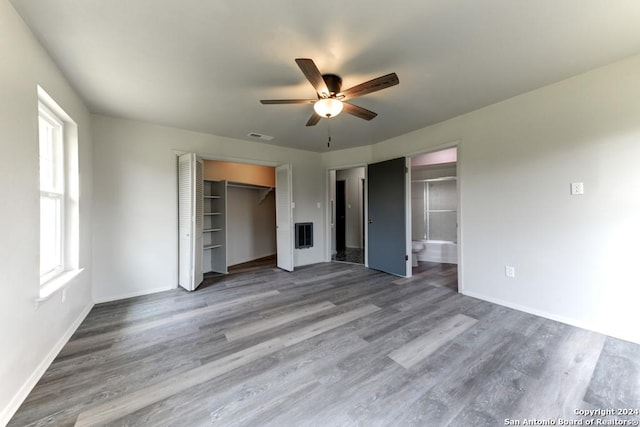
204 65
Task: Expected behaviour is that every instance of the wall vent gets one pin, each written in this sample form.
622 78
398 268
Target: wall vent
304 235
260 136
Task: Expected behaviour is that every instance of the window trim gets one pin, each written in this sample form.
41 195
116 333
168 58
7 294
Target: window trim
58 190
69 186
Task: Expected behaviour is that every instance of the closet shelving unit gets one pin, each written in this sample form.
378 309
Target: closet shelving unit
214 235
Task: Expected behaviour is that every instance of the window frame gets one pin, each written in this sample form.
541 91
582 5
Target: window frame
65 187
54 190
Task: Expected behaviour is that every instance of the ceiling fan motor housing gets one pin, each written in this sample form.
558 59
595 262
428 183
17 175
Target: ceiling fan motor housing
334 84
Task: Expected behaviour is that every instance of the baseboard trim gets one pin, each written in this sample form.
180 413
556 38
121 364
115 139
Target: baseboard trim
27 387
98 300
562 319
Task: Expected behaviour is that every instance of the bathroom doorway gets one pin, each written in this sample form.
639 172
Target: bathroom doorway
434 216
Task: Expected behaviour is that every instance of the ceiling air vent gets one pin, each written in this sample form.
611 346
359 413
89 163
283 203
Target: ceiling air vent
260 136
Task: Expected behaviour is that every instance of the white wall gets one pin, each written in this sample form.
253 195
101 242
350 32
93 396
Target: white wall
575 256
30 336
135 222
251 225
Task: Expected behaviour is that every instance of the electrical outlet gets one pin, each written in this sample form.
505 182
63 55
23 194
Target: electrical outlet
577 188
510 271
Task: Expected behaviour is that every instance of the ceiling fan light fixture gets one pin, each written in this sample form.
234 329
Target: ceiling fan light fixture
328 107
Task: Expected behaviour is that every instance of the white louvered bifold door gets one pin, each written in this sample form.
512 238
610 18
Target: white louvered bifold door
190 202
284 217
185 223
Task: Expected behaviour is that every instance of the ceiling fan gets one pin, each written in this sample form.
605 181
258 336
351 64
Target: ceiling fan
330 96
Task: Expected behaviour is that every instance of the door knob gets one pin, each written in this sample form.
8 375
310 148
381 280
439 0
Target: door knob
370 221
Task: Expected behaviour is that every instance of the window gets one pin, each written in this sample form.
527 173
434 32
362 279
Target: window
59 196
52 194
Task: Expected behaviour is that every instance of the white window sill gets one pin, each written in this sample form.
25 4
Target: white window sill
57 283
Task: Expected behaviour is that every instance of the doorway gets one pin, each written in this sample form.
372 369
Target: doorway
243 223
434 216
341 216
346 216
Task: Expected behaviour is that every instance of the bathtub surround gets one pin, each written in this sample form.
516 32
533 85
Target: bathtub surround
438 251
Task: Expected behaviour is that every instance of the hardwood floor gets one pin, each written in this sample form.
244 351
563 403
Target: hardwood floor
330 344
437 274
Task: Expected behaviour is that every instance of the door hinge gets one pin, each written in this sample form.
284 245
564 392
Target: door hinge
406 257
406 169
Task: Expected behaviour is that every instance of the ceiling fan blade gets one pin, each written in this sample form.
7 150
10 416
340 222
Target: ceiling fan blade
313 120
288 101
312 74
363 113
371 86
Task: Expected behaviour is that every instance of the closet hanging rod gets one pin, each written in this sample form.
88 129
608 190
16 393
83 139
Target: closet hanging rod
249 186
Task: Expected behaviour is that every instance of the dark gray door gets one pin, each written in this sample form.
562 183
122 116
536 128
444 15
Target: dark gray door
387 244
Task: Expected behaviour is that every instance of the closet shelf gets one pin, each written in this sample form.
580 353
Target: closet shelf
214 224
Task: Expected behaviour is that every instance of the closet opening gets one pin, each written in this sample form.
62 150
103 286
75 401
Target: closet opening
232 217
248 223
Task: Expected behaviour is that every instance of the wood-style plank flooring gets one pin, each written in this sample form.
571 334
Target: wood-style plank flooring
330 344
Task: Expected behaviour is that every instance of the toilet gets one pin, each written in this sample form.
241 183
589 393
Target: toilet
416 247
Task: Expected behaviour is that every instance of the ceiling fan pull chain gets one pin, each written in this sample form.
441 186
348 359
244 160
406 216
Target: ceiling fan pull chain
328 134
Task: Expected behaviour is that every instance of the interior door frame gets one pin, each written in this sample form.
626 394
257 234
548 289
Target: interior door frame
341 208
330 208
457 144
205 156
